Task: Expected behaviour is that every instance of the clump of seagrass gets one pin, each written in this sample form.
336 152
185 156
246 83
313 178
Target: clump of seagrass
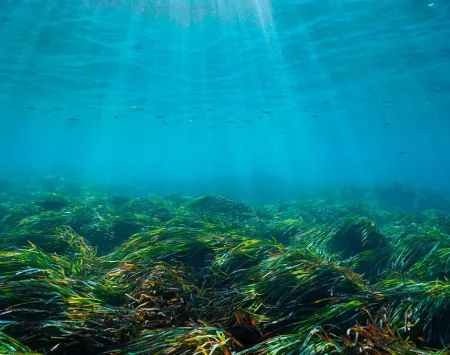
47 304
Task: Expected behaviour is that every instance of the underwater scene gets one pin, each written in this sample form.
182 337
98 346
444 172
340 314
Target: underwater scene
218 177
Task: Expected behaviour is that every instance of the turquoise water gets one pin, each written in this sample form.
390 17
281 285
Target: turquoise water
243 97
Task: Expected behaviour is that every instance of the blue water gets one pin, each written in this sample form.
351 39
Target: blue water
255 96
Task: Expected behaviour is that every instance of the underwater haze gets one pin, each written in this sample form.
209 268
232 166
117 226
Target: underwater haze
243 98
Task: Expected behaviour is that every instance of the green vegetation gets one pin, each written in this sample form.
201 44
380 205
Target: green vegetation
86 274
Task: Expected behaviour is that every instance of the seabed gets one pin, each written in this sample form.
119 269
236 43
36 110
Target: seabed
90 273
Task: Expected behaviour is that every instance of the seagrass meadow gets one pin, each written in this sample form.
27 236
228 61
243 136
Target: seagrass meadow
88 274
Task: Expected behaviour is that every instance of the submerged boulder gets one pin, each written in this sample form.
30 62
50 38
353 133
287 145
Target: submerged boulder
53 202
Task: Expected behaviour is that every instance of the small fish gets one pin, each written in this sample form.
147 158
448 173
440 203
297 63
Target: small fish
93 108
230 121
315 115
195 116
402 152
159 116
210 109
387 123
247 121
117 116
73 119
267 112
30 108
